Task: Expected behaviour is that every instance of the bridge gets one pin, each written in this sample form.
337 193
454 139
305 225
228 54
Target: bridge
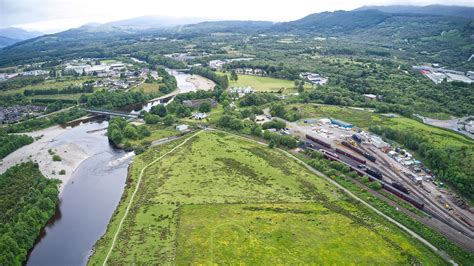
165 98
111 113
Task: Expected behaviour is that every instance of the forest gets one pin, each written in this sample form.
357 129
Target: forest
11 143
27 200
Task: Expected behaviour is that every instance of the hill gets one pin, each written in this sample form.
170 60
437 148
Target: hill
5 41
335 22
18 34
441 10
447 38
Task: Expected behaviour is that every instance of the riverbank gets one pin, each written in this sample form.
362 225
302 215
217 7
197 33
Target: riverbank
41 151
201 83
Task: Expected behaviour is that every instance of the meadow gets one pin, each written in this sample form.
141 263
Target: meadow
265 84
148 87
223 199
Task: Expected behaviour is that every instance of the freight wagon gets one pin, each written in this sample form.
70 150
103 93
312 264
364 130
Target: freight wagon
365 154
357 159
320 142
385 185
400 187
404 196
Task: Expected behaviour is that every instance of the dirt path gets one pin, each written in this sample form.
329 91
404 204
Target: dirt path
401 226
135 192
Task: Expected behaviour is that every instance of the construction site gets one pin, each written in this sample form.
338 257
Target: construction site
398 172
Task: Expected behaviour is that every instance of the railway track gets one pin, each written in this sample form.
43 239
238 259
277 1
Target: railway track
431 206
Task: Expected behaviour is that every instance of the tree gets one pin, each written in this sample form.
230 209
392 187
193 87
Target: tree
205 107
168 120
182 111
159 110
233 75
130 132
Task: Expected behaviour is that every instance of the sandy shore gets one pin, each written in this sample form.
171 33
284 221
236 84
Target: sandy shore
201 83
71 154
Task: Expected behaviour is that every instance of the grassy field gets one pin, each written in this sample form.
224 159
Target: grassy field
50 84
157 132
265 83
362 119
222 199
148 87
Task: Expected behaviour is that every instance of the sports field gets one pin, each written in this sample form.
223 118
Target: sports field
218 198
265 83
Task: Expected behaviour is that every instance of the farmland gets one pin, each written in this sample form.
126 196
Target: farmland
245 197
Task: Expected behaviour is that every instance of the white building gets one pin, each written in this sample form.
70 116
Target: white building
182 127
241 91
314 78
199 116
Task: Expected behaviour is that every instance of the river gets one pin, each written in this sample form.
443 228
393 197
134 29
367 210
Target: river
183 86
91 196
87 201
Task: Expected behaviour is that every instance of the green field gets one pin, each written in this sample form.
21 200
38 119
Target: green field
50 84
362 119
291 233
148 87
157 132
265 83
222 199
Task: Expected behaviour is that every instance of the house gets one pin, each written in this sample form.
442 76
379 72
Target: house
199 116
196 103
370 97
117 66
241 91
182 127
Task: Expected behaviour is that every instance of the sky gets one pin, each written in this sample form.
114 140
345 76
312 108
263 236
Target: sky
49 16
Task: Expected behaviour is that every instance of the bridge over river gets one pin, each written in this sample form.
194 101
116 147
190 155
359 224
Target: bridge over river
111 113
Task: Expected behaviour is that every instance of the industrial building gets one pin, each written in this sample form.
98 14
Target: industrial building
341 123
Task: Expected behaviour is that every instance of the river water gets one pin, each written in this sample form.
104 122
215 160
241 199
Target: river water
87 201
91 196
183 87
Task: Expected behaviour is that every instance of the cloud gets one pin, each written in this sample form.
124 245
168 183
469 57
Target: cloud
53 15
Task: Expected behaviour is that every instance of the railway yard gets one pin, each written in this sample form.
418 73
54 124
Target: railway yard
397 170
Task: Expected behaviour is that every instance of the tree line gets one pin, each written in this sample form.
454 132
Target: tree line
68 90
453 164
27 200
11 143
221 80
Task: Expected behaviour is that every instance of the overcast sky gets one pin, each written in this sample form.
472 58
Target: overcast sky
54 15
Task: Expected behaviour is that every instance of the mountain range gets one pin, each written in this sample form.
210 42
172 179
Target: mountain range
11 35
441 10
446 30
